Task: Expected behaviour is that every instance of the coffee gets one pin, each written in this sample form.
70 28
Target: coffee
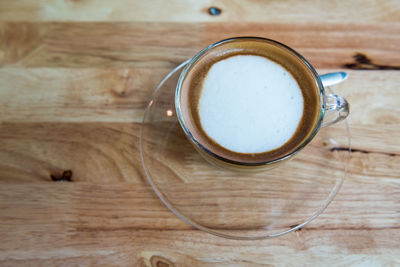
250 101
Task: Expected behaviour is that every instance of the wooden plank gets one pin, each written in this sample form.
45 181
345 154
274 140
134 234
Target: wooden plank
80 45
192 248
106 206
109 152
197 11
120 95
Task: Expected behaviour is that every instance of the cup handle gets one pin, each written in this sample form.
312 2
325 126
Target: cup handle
337 108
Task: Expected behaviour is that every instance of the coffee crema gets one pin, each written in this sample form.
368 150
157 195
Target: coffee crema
250 101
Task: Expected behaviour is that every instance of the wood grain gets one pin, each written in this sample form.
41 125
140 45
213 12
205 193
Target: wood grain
75 77
121 94
78 45
63 94
41 149
197 11
191 248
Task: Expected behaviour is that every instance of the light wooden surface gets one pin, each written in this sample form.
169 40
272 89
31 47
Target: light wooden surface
75 77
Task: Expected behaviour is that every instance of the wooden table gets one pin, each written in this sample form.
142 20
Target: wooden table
74 80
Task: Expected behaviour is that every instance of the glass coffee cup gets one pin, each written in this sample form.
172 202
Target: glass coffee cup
320 109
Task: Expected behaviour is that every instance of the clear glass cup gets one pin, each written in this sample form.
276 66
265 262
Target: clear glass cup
337 107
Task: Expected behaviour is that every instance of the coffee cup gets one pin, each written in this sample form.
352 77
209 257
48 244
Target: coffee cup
250 103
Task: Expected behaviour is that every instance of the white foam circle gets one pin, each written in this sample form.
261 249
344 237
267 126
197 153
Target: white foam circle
250 104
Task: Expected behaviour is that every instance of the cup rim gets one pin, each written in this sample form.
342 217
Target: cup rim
264 163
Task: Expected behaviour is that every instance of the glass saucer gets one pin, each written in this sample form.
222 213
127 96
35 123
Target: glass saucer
237 205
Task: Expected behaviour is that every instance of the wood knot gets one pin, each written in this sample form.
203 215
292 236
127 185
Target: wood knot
362 62
65 177
214 11
120 91
157 261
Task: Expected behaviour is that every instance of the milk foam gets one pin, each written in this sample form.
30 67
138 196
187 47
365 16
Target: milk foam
250 104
